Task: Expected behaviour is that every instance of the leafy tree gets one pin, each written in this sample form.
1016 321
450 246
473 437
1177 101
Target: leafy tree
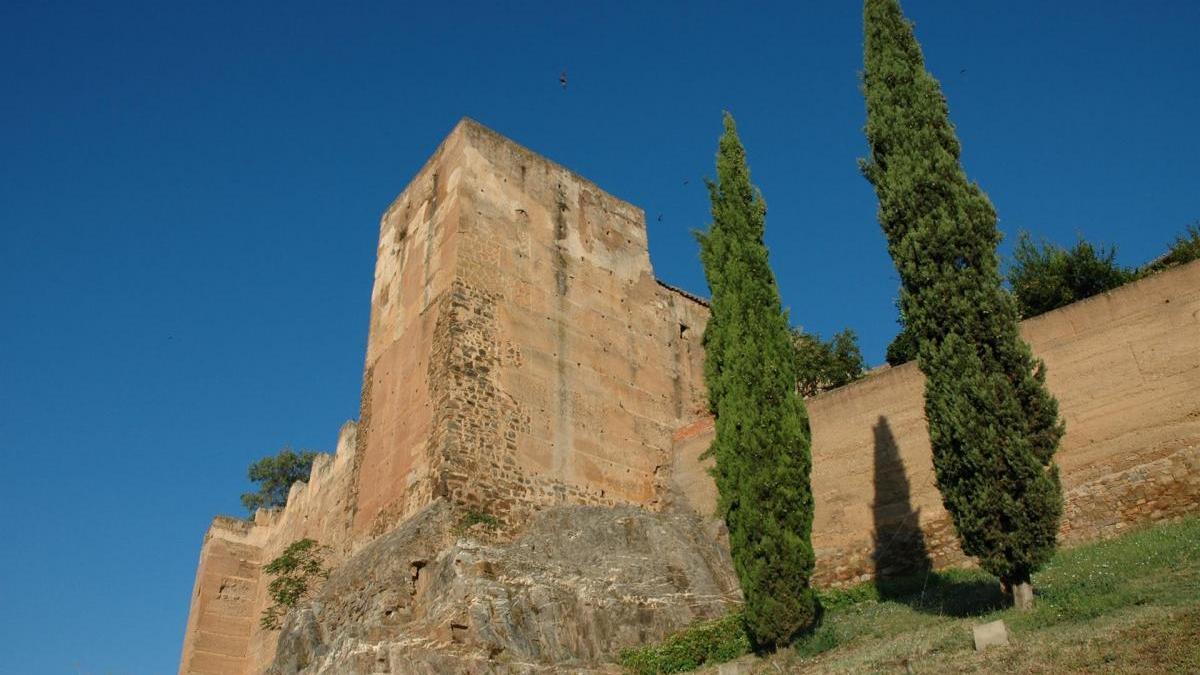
762 437
275 476
297 571
821 366
1048 277
993 425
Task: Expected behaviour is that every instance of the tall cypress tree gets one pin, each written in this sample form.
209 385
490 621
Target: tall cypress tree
762 438
993 425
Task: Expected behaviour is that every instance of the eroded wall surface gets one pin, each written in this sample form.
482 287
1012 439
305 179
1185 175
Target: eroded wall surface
1125 367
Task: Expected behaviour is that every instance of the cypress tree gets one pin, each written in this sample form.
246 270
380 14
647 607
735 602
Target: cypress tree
762 438
993 425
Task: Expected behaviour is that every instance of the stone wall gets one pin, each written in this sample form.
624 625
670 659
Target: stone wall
1125 367
223 635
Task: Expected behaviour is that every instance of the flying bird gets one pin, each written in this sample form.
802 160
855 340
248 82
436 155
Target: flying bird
562 79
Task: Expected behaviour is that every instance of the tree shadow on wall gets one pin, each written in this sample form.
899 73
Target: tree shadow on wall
903 568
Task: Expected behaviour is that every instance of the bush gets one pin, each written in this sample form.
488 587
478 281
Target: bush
702 644
1048 277
821 366
1185 249
297 571
275 476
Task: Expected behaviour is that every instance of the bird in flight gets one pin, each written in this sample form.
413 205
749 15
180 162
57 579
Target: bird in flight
562 79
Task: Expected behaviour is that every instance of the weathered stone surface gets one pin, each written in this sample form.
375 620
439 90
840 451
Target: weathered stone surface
578 585
994 634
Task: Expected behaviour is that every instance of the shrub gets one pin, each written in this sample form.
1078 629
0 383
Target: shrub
1185 249
275 476
701 644
297 571
476 517
1047 277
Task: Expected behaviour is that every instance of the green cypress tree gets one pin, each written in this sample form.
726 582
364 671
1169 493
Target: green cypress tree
993 425
762 437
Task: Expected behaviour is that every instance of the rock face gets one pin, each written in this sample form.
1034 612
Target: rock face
577 586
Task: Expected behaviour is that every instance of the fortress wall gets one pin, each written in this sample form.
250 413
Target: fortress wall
566 369
217 640
1125 367
223 635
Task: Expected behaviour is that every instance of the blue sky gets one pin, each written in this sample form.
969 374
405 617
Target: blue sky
190 194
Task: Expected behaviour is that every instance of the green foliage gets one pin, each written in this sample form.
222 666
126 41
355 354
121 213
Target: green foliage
701 644
762 438
476 517
275 476
821 366
1048 277
993 426
1185 249
297 571
903 347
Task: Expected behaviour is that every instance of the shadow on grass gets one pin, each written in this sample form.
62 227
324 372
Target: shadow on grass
956 593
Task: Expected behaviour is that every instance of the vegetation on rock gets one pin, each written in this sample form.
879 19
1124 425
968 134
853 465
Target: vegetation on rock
761 447
821 366
709 642
297 571
993 426
275 476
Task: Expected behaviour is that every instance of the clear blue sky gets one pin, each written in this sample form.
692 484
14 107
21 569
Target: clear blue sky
190 193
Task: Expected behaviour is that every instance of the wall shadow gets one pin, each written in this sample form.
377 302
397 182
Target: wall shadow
899 542
903 567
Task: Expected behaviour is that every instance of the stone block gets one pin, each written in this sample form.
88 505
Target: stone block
994 634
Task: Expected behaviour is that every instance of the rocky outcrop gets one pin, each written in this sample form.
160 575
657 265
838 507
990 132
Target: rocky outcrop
575 587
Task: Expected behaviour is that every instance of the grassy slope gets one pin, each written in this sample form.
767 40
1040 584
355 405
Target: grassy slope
1130 604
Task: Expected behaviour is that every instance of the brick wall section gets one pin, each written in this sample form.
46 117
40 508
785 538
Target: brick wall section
1125 367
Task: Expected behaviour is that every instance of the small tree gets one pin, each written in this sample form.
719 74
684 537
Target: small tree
821 366
297 572
1048 277
993 426
275 476
762 438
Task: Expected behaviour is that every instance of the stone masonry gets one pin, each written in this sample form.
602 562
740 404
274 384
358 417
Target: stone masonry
521 355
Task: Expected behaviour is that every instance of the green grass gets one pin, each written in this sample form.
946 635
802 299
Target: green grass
1129 604
709 642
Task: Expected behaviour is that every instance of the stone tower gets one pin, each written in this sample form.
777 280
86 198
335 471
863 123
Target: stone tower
520 354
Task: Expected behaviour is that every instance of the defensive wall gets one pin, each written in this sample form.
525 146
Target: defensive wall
521 354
